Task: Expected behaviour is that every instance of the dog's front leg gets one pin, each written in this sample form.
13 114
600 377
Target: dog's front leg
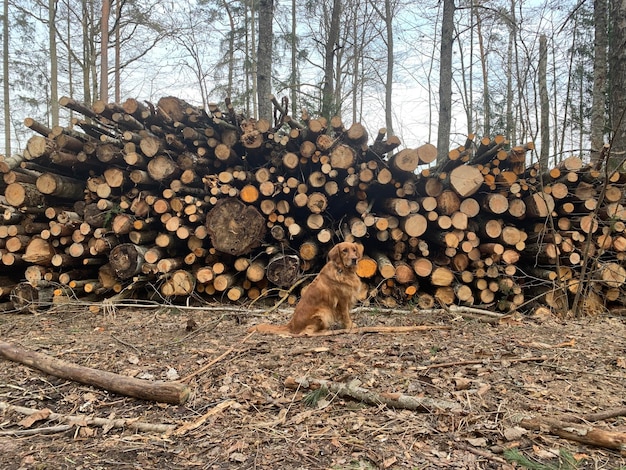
346 319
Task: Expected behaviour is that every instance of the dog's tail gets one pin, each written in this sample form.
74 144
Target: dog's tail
270 329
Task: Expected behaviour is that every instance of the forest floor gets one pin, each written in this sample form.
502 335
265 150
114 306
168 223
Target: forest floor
241 414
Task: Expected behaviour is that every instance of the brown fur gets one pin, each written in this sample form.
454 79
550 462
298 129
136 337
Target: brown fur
328 298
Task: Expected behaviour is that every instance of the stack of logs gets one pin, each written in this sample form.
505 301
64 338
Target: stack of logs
172 201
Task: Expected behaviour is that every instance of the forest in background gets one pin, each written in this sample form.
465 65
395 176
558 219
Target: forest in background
417 68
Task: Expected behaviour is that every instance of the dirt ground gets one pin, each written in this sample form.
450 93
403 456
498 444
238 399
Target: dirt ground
241 414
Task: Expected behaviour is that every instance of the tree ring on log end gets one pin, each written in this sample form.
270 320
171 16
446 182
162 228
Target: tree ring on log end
234 227
282 270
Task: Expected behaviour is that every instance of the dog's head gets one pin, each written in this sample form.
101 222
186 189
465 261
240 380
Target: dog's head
346 254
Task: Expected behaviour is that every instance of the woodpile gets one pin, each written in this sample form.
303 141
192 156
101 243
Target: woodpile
172 201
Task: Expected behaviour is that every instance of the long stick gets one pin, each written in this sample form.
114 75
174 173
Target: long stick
393 400
577 432
164 392
90 421
381 330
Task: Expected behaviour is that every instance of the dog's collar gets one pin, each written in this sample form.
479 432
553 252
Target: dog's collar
341 268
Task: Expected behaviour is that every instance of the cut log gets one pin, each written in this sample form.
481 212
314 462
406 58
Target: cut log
427 153
179 283
126 259
366 267
442 276
283 270
60 186
342 157
39 251
448 202
612 274
27 298
384 264
414 225
24 194
539 205
234 227
162 168
466 180
406 160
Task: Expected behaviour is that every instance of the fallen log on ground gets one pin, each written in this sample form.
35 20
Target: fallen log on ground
79 420
583 433
355 391
162 392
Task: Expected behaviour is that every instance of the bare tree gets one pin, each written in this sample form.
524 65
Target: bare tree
388 17
117 48
467 69
252 59
485 74
445 80
617 78
104 50
330 49
598 121
511 23
294 75
54 62
5 75
544 102
264 58
231 48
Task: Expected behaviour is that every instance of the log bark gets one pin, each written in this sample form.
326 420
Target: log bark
60 186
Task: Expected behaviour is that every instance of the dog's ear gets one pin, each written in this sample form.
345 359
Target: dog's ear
334 255
360 249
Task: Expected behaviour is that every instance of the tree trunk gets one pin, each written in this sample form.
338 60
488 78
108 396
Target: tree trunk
264 58
104 50
445 80
598 120
330 50
617 67
544 102
54 62
6 81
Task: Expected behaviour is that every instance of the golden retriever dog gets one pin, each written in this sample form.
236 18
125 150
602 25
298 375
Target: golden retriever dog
329 298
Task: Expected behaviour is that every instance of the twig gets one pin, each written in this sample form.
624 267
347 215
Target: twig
125 344
199 330
284 297
461 310
481 453
379 329
213 362
90 421
33 432
392 400
603 415
200 421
